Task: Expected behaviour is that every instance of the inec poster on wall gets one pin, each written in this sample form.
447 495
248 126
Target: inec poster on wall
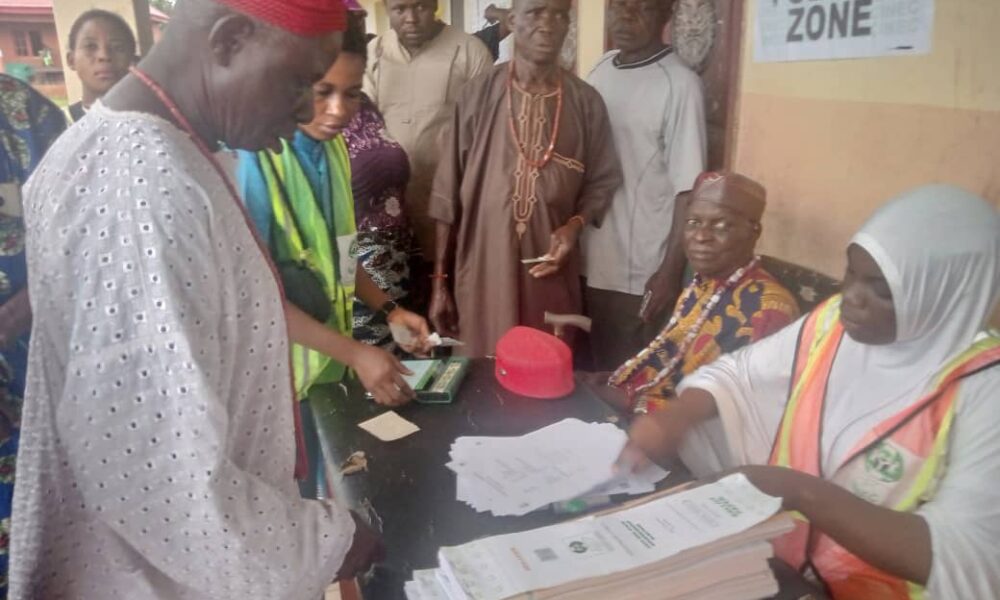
788 30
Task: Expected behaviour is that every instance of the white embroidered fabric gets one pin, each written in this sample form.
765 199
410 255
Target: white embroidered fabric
157 446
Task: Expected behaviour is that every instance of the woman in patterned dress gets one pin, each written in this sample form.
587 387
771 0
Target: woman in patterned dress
29 123
380 171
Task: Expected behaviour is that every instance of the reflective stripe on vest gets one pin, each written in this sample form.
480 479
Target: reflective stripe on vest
301 233
897 465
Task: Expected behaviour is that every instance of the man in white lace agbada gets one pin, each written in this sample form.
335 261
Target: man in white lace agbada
158 441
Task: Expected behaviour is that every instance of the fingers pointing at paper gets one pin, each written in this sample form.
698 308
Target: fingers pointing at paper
658 435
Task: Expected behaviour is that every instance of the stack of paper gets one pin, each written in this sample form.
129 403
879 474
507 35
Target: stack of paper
567 460
705 543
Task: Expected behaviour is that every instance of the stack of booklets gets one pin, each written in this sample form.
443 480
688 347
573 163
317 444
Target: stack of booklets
703 543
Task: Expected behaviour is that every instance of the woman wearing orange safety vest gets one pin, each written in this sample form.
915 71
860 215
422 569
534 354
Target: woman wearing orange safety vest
876 416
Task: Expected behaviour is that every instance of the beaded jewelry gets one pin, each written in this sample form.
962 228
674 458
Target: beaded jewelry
624 373
521 149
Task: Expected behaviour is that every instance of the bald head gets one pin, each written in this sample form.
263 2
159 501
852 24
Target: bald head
242 72
733 191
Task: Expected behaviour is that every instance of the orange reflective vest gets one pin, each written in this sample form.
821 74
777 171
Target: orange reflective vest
897 465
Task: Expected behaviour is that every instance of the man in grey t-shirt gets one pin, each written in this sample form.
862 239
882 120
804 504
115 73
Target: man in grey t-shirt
657 117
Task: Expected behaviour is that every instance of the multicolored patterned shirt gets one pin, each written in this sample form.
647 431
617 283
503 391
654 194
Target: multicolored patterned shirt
380 172
752 310
29 123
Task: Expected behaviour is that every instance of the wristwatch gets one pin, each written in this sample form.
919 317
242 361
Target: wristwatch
388 307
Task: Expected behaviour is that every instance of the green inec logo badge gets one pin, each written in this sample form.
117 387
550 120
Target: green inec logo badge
884 462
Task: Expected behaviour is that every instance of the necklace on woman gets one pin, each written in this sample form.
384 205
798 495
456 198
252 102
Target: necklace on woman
625 373
553 136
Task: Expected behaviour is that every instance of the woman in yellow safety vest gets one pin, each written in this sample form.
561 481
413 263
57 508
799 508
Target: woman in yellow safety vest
876 416
302 206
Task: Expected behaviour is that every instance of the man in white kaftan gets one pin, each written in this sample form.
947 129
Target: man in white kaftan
158 445
159 356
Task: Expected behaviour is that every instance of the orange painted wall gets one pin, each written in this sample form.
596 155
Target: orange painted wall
832 140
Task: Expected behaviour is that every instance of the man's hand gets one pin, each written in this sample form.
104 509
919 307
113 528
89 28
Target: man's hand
366 549
562 244
663 290
442 311
418 328
381 374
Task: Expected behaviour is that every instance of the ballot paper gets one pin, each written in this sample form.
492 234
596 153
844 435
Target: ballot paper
564 461
437 341
507 565
402 336
534 261
389 426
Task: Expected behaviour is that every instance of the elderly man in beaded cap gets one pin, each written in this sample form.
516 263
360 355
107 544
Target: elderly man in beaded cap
731 301
159 432
529 161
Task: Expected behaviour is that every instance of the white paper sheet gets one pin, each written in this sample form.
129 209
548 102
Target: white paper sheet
790 30
389 427
566 460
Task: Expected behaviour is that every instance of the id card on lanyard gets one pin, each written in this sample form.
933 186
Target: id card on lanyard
347 254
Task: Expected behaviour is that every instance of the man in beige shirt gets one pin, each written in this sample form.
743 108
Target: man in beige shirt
415 74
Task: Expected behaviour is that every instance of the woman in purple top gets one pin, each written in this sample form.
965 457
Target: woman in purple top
380 171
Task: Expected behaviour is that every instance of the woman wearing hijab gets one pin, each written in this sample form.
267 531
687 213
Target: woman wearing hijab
875 416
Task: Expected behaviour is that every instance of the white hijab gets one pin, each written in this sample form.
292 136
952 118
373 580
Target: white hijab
939 249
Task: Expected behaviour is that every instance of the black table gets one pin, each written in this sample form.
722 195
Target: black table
407 490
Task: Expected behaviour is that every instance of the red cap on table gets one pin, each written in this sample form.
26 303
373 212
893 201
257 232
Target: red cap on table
302 17
535 364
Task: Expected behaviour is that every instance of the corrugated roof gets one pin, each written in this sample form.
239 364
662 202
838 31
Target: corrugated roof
26 3
44 7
